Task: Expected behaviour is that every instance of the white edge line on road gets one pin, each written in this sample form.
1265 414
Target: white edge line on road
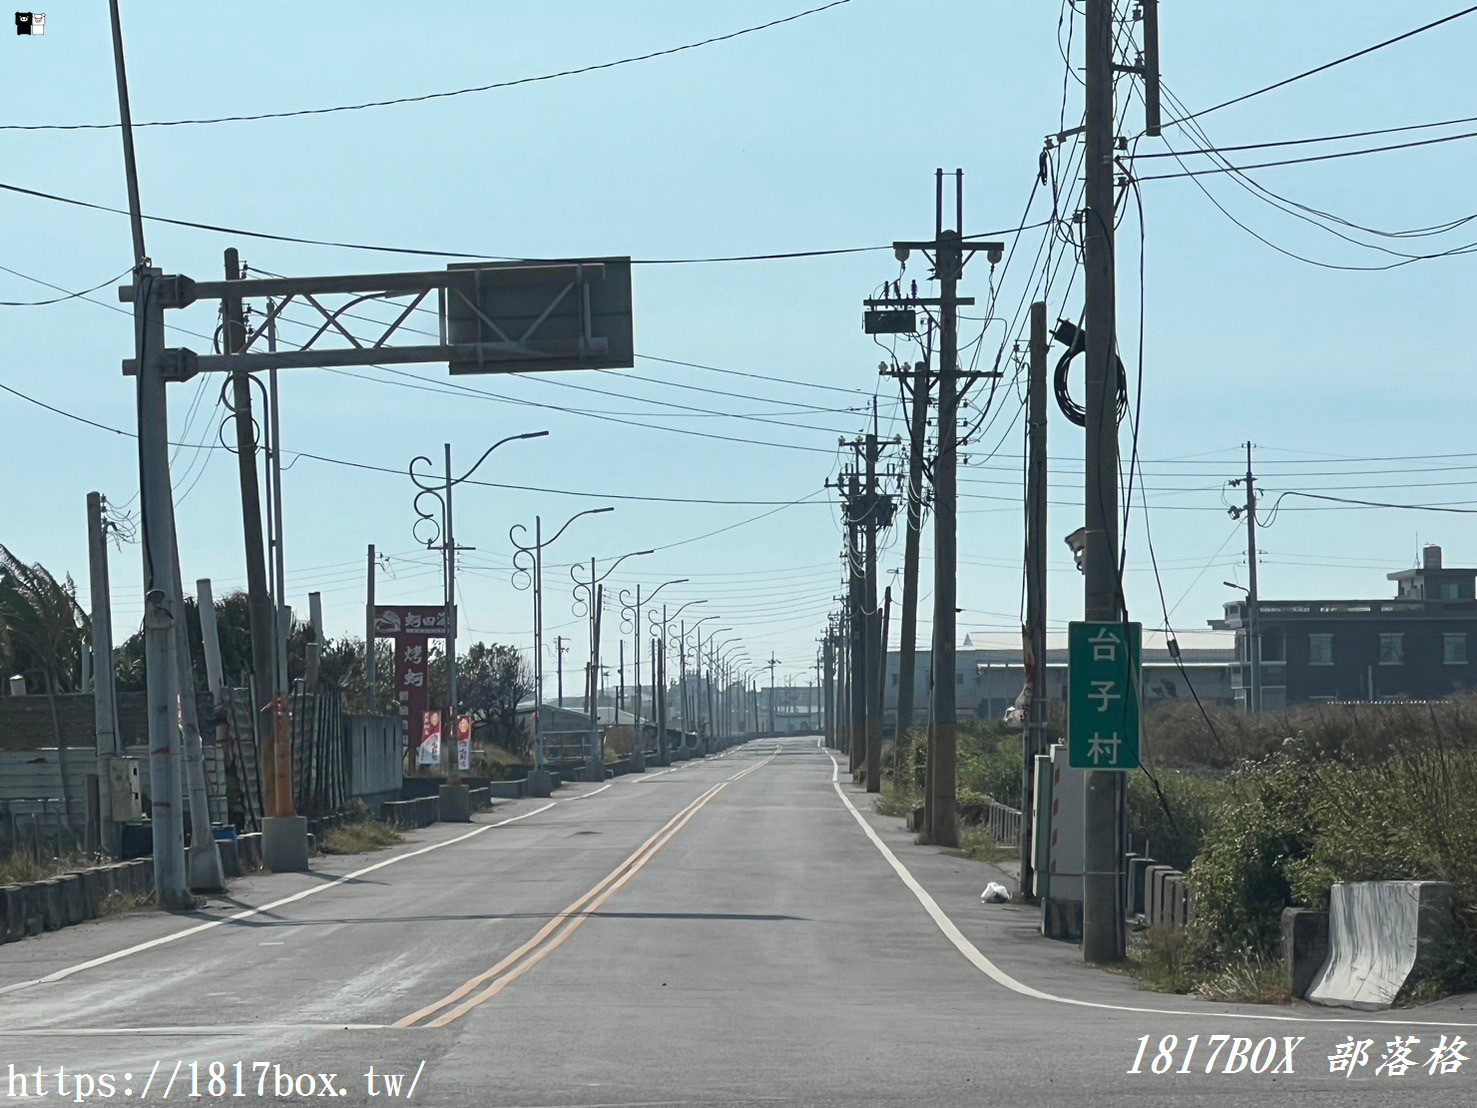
221 1029
138 948
592 792
999 976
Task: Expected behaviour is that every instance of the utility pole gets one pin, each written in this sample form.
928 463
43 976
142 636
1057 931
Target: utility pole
1253 617
773 661
1035 730
875 656
369 659
163 602
821 720
1102 915
908 629
947 250
879 679
105 685
450 554
559 651
259 597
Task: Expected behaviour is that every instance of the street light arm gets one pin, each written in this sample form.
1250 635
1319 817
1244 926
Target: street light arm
494 446
571 519
611 568
682 609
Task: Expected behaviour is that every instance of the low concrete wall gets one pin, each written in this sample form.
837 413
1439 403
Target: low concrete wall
410 814
1381 934
507 790
481 799
1138 871
70 898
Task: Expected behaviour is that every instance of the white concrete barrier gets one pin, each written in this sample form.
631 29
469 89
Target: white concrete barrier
1380 933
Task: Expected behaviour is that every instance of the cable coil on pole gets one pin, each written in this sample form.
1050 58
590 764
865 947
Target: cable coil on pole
1074 339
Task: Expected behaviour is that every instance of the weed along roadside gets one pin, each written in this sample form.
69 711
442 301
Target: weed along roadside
1262 847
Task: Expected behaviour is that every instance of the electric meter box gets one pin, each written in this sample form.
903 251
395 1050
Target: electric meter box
123 789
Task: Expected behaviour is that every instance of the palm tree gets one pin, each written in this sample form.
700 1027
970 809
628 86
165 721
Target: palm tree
42 629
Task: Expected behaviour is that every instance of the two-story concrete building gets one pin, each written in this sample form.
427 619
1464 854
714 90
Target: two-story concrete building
1415 646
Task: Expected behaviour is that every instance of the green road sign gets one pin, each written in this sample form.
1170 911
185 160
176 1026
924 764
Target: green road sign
1103 674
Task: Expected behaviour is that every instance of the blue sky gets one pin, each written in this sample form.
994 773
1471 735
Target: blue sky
821 133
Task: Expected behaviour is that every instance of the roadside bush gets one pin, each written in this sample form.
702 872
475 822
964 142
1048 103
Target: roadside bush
1194 801
1241 879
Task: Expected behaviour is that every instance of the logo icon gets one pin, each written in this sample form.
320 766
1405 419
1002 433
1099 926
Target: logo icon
30 23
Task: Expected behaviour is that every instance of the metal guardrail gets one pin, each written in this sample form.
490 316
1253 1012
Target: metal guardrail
1005 824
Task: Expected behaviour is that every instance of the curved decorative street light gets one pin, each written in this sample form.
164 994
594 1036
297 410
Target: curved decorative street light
528 566
631 622
660 677
589 596
441 493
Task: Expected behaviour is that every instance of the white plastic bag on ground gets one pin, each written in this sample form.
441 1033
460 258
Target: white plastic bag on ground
995 893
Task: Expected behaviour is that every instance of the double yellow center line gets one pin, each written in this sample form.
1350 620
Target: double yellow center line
490 982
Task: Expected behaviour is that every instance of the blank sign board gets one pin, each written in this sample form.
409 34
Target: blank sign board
503 317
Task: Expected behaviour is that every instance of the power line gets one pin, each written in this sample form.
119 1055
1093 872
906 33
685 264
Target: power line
1212 149
57 299
431 95
1325 66
1228 168
242 233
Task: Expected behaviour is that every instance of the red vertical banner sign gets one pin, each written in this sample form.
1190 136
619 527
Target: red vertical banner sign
430 745
463 742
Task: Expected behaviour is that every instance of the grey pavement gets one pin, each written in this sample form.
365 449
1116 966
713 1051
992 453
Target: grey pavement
761 948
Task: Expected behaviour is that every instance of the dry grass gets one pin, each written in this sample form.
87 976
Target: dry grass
360 837
20 868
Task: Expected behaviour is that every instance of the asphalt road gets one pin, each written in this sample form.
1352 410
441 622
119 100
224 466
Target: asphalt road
738 930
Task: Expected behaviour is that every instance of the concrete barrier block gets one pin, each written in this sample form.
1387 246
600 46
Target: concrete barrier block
74 904
33 907
249 851
142 877
230 860
1304 947
1382 936
1138 870
507 790
1153 890
92 891
455 802
53 912
12 921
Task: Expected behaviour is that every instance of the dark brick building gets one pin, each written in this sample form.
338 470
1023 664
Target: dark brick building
1421 645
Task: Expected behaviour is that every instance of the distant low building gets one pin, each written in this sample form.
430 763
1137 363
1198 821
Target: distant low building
1415 646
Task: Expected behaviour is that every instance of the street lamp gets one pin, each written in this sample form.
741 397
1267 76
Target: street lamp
590 596
631 621
662 711
441 492
528 566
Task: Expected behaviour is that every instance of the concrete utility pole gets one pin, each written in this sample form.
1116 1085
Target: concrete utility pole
948 250
828 659
773 661
1035 730
560 650
875 658
369 659
879 685
1102 915
203 861
908 627
258 592
162 599
315 640
105 683
1253 617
